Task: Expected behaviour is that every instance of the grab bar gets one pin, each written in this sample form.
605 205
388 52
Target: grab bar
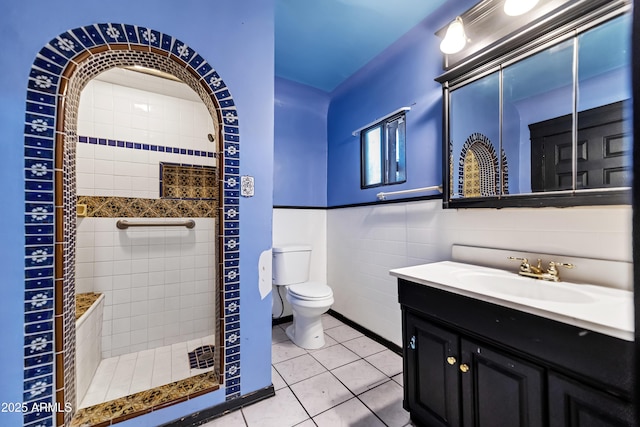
382 195
123 224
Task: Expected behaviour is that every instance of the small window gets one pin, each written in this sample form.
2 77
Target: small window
383 153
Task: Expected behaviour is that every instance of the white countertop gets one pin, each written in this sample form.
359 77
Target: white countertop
597 308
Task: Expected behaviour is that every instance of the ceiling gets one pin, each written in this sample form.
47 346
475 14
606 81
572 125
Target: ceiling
320 43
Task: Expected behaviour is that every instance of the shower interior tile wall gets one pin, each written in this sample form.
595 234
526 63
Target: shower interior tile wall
117 112
158 282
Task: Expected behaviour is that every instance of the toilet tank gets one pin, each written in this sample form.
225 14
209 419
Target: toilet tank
291 264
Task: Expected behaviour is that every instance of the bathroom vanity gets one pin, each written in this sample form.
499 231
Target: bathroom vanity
486 347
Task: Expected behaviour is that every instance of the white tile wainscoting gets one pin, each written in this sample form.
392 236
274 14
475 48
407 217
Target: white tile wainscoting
365 242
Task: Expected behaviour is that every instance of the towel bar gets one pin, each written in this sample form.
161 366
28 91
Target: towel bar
123 224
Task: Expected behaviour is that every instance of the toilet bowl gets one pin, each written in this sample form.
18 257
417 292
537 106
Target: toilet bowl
308 300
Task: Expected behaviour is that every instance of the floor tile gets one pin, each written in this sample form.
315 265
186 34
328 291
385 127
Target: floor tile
281 410
352 413
299 368
387 361
399 379
233 419
319 393
359 376
277 380
328 321
386 401
364 346
278 335
343 333
193 344
307 423
328 342
284 351
335 356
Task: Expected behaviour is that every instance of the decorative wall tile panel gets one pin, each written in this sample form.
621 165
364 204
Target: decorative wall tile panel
188 181
133 207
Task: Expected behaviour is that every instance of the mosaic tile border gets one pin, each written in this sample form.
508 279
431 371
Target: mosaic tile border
144 147
489 164
135 207
50 137
141 403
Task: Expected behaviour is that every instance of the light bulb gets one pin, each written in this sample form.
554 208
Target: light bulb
518 7
455 38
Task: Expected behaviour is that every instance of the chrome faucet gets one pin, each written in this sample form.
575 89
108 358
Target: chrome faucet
537 272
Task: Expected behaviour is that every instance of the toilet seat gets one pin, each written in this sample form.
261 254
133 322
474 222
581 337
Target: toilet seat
310 291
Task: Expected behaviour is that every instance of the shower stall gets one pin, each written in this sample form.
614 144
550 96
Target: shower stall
146 177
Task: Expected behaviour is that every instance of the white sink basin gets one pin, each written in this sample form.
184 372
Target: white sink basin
597 308
523 287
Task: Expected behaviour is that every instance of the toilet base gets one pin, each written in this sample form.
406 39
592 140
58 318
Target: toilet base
306 332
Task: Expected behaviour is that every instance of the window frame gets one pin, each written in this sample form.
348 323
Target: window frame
385 156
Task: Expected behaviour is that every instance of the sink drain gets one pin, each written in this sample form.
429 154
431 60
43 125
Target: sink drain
202 357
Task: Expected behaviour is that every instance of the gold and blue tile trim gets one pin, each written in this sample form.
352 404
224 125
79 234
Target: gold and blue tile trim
50 197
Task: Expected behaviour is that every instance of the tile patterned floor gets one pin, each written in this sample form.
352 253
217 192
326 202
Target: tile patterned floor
128 374
351 381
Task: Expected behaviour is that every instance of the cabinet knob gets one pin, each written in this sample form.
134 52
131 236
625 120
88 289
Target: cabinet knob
464 367
451 360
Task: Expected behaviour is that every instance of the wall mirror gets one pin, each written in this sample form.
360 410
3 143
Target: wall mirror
547 124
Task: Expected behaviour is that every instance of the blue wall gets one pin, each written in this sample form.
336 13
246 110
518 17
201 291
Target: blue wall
236 37
401 76
300 147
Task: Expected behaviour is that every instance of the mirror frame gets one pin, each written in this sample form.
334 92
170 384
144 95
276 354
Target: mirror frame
540 31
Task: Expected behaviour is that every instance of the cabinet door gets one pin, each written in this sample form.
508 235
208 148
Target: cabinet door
431 373
576 405
500 390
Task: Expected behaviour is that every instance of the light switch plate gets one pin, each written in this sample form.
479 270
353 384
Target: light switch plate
247 186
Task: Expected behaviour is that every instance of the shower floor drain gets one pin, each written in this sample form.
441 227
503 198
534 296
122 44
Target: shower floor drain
202 357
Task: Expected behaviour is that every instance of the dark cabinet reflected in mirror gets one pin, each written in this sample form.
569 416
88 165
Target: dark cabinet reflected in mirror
554 121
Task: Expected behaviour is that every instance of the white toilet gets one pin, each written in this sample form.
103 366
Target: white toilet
309 300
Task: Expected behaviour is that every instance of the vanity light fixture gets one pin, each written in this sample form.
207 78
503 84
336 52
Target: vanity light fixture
518 7
455 38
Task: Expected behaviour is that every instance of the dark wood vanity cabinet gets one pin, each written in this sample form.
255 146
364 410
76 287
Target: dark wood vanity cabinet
472 363
452 381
